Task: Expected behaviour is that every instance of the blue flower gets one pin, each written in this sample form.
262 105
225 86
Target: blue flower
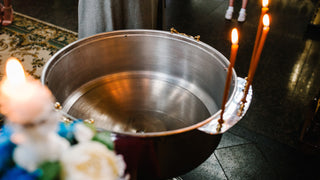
6 131
6 149
18 173
66 130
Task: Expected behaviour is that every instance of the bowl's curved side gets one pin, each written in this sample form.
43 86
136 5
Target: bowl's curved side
165 156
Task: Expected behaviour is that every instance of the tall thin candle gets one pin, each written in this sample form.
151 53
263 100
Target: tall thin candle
266 23
255 60
264 10
233 55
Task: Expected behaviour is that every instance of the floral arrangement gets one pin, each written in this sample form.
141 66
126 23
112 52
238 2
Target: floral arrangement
34 144
89 156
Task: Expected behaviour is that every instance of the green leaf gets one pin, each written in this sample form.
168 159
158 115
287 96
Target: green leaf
104 138
91 126
50 171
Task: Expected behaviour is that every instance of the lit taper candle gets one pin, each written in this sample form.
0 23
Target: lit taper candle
255 60
264 10
233 55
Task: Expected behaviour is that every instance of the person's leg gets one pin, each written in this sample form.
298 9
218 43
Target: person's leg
242 13
7 13
244 4
231 3
229 11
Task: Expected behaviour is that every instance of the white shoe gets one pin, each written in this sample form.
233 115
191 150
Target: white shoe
229 13
242 15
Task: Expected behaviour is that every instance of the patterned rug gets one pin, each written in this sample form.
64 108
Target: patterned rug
32 41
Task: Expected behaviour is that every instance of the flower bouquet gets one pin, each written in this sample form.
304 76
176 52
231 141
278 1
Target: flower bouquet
85 154
34 144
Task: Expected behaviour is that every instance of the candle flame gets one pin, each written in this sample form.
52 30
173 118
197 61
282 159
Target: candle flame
265 3
234 36
15 72
266 20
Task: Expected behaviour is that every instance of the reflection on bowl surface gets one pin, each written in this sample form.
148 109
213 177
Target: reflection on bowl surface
140 102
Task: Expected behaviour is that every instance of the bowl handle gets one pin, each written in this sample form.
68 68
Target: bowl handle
231 115
173 30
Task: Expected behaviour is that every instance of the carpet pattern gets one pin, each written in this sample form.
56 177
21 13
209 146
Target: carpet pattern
33 42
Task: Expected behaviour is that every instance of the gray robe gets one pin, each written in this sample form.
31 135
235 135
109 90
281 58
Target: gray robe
96 16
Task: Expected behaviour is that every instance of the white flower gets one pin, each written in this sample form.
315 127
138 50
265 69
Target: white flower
33 152
91 160
83 133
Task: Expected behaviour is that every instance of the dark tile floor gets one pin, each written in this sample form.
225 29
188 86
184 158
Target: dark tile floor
265 144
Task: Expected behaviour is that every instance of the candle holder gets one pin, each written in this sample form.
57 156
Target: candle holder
244 98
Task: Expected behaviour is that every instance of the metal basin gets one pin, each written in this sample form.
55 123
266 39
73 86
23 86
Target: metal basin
158 93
